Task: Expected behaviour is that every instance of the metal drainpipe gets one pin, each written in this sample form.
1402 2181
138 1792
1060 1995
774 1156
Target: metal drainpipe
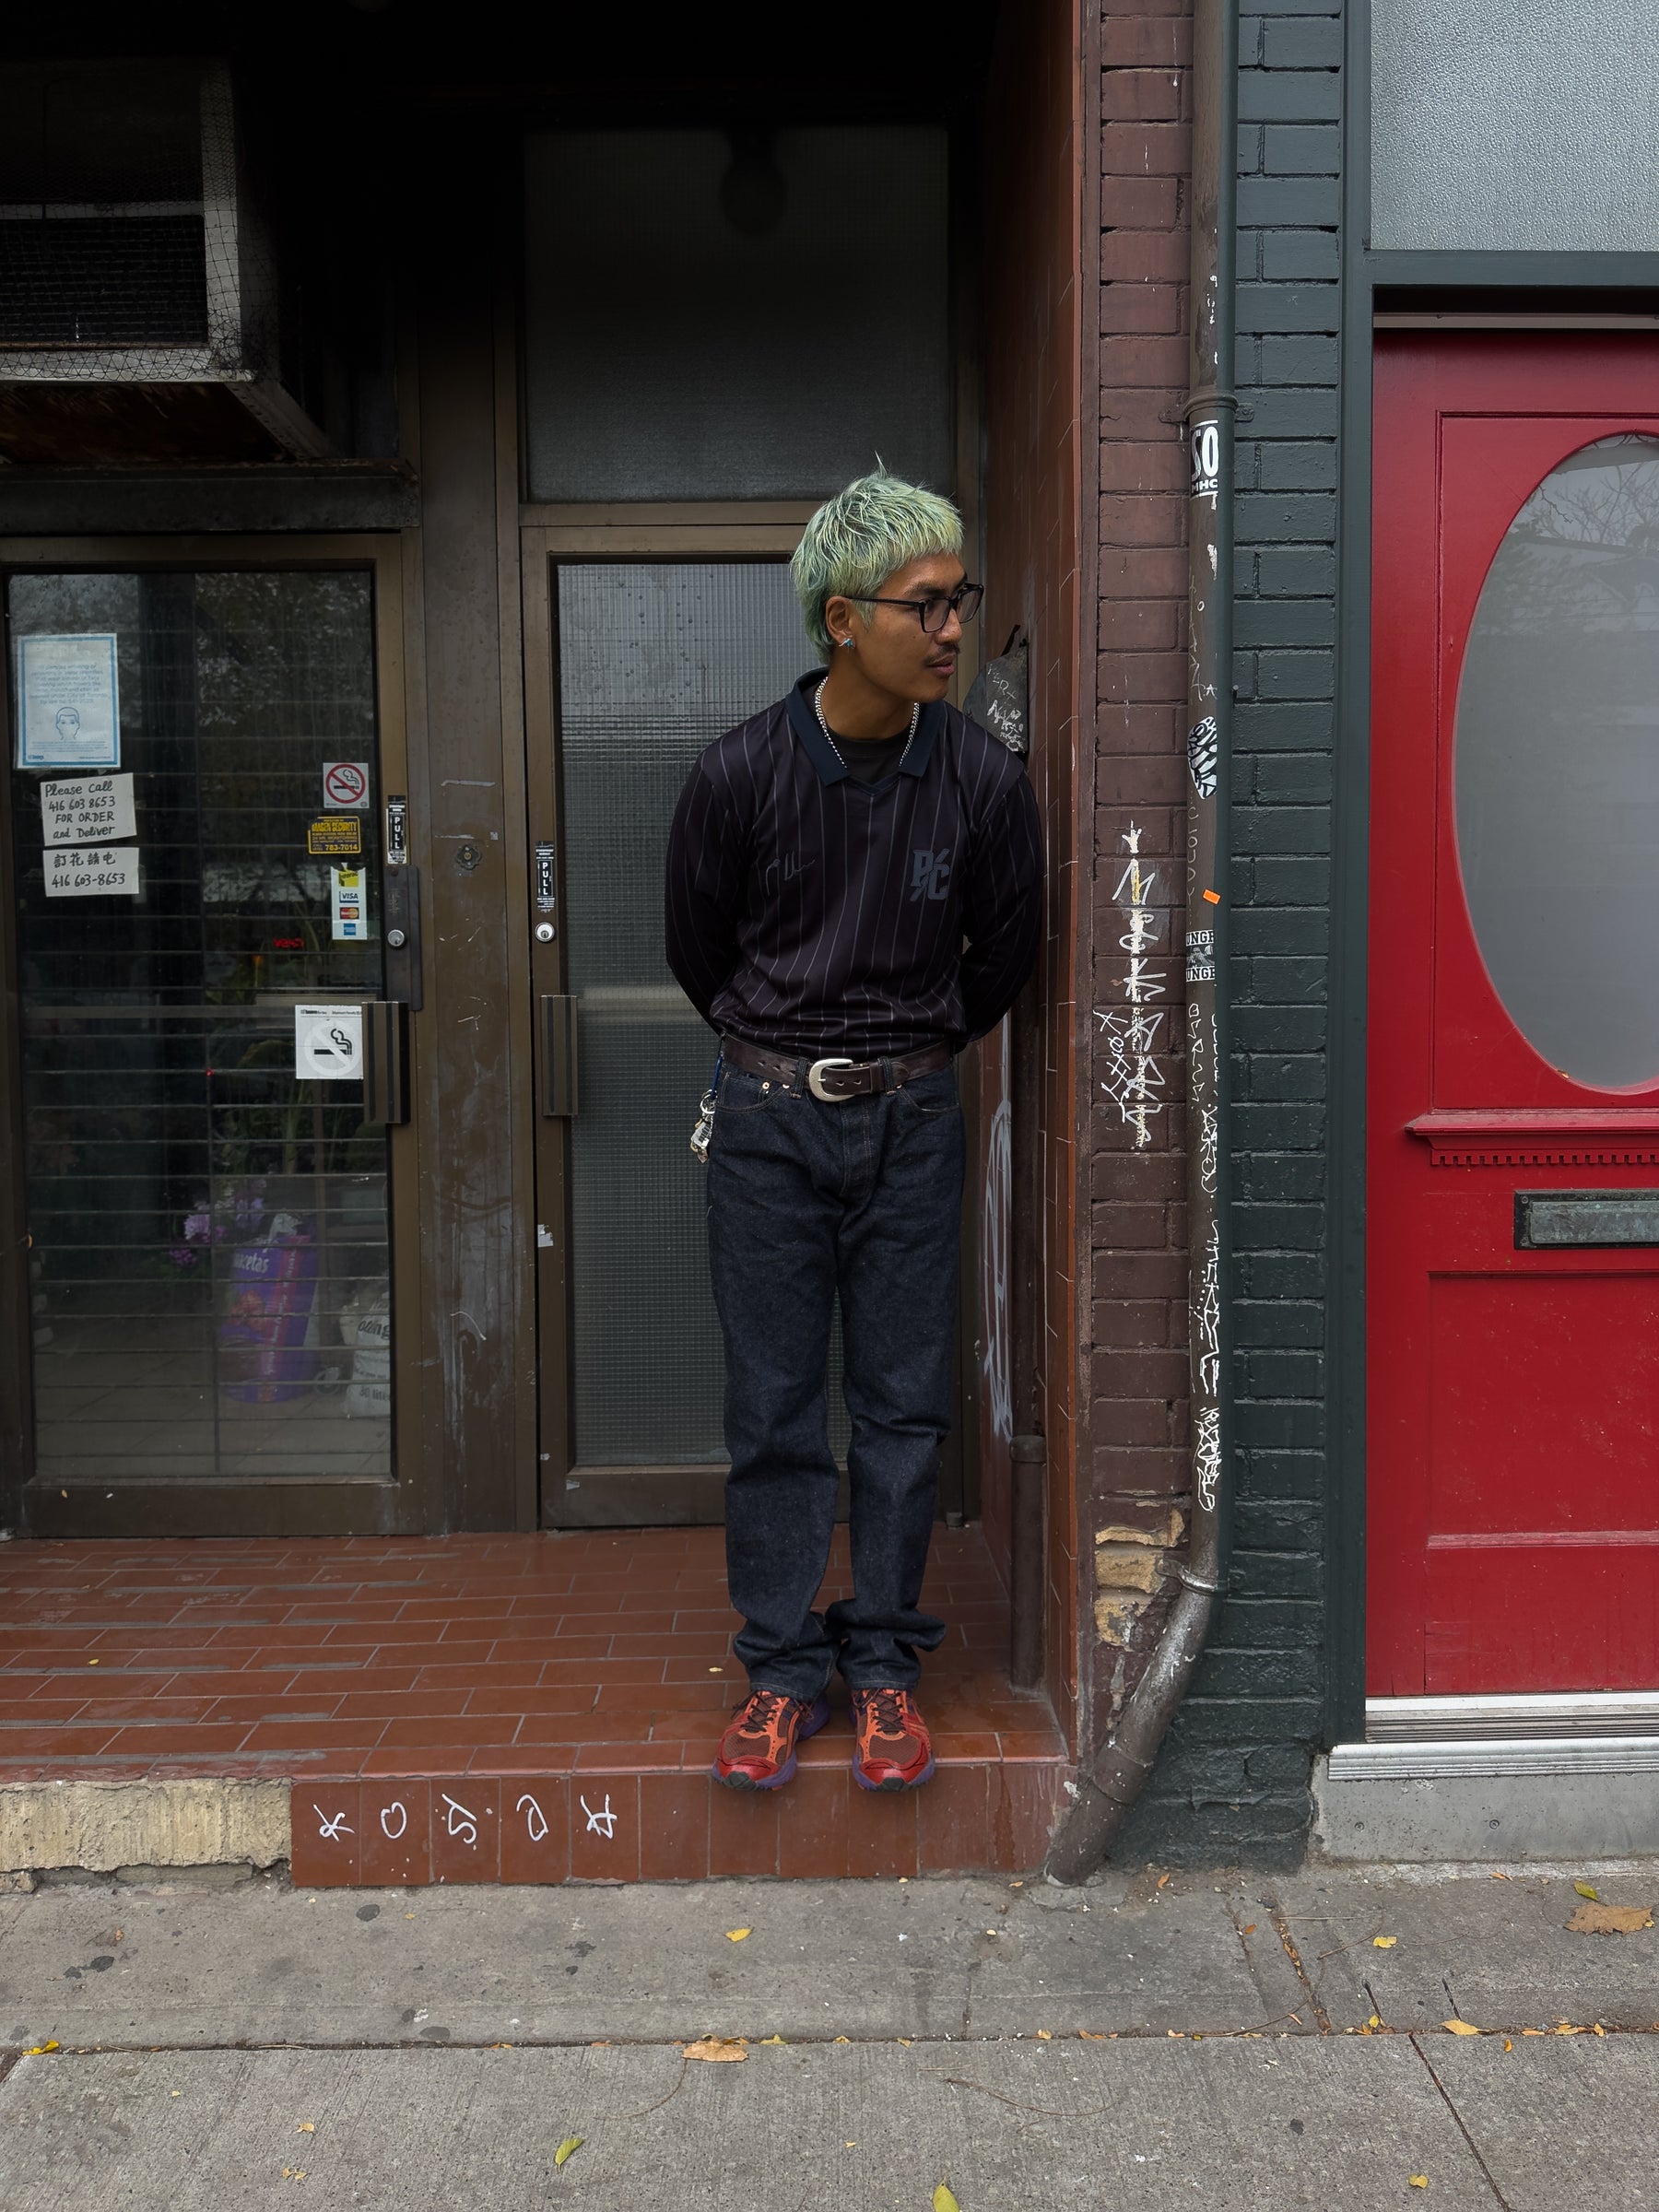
1107 1789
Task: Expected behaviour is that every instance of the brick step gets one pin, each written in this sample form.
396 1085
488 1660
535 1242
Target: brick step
977 1816
516 1708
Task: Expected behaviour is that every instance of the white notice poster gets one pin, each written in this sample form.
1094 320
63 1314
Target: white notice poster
68 712
328 1043
89 809
91 871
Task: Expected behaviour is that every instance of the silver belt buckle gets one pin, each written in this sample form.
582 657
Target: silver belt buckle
814 1084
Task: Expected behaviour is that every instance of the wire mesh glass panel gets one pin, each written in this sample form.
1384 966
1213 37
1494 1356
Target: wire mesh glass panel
752 315
655 659
209 1231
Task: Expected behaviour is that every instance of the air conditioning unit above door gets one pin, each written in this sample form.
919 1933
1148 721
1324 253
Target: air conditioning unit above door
138 296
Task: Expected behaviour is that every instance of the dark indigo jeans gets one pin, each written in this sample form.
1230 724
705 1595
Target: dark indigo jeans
807 1199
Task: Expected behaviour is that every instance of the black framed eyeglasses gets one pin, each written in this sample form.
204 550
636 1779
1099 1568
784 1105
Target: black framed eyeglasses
933 611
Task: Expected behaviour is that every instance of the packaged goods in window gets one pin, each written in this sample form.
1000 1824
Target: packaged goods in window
267 1347
366 1324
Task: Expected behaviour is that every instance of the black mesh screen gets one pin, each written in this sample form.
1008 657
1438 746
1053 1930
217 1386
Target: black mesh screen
101 281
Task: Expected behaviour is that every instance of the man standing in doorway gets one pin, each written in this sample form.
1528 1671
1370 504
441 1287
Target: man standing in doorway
828 859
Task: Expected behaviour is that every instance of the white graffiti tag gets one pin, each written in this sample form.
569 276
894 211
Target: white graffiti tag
602 1823
1207 1456
1134 1080
332 1830
459 1822
1209 1317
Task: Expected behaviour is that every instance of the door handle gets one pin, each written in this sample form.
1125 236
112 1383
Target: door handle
559 1056
386 1061
401 898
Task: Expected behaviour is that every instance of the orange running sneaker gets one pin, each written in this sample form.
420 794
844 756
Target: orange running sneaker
758 1750
895 1751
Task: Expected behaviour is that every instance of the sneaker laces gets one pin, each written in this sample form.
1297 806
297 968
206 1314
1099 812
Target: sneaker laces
886 1709
761 1710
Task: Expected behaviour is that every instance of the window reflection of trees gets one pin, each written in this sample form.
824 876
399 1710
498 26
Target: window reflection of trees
1583 552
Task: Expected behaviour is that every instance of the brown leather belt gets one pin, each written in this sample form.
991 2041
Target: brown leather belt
834 1080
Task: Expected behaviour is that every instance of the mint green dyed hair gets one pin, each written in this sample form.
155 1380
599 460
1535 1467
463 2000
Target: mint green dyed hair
856 540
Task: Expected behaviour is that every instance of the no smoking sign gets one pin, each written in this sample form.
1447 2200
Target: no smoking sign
328 1043
346 784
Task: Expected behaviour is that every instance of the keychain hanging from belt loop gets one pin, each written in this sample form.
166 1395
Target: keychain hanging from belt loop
704 1130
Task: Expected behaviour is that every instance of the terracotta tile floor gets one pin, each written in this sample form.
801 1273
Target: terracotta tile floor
468 1707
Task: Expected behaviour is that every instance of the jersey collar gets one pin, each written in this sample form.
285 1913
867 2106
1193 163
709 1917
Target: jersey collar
803 722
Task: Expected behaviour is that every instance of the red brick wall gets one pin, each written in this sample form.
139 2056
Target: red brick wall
1134 1466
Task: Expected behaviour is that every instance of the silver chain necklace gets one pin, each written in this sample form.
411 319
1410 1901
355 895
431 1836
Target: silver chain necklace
818 702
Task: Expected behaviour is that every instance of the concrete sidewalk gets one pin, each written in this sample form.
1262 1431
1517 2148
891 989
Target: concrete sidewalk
1128 2044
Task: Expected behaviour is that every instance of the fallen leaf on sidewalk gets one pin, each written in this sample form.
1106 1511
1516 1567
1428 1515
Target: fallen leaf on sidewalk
39 2050
1459 2028
1610 1920
567 2150
1383 1943
1045 2035
1564 2029
1088 2035
1586 1889
1417 2181
739 1935
306 2127
944 2199
843 2038
1507 2044
716 2047
772 2038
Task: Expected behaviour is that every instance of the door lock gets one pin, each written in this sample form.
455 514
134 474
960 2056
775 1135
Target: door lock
544 933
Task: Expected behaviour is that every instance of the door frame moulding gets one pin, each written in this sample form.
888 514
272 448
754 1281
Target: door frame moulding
1372 283
410 1500
733 531
633 530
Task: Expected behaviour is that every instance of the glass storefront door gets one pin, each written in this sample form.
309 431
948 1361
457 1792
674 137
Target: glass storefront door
651 661
196 803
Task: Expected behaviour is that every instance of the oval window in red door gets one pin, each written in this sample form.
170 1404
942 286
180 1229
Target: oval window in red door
1556 766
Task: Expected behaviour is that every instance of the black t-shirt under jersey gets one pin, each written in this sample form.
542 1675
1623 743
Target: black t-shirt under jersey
869 759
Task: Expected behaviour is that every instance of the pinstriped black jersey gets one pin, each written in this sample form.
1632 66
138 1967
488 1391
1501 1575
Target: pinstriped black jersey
814 914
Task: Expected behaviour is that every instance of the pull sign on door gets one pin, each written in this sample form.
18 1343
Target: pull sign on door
328 1043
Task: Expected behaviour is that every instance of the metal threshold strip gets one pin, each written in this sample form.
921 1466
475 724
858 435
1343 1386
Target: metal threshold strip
1572 1712
1575 1732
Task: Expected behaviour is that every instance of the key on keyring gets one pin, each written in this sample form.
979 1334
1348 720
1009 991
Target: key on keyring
705 1127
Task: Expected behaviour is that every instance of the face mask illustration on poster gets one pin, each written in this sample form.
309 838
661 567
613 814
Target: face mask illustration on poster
68 705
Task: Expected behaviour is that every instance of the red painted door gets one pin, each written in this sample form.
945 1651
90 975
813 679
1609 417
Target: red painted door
1512 1258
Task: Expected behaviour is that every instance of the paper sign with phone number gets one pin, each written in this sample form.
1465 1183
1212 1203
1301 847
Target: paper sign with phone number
90 871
